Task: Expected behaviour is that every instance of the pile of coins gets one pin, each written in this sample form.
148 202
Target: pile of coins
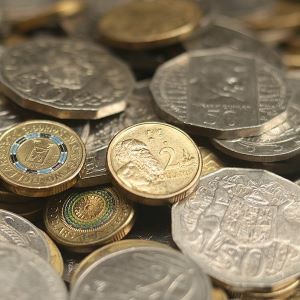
149 149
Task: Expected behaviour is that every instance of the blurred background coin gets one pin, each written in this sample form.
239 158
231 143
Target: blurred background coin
40 158
154 163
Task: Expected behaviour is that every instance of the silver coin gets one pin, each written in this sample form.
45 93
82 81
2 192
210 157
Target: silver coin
71 262
297 181
24 275
20 232
139 109
242 228
224 33
67 79
220 93
279 143
82 128
142 273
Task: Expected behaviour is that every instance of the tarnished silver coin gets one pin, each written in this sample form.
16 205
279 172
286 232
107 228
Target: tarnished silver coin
142 273
24 275
71 262
220 93
139 109
242 228
20 232
225 33
82 128
67 79
297 181
279 143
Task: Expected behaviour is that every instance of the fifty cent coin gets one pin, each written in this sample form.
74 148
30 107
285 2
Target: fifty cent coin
83 221
241 227
24 275
143 273
154 163
67 79
40 158
148 24
220 93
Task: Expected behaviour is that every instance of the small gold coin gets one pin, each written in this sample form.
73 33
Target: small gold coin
56 259
82 221
154 163
40 158
112 248
146 24
219 294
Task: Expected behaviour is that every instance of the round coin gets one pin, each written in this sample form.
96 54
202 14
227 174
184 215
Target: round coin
154 163
40 158
25 275
155 23
241 227
82 221
20 232
109 249
139 109
56 259
143 273
72 79
220 93
279 143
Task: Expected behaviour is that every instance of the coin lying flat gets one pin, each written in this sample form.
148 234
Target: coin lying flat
109 249
154 163
40 158
20 232
56 259
72 79
297 181
125 275
36 13
224 33
148 24
279 143
25 275
83 221
139 109
220 93
241 227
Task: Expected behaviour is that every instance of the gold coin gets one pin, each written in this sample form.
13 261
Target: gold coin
219 294
112 248
40 158
154 163
284 293
56 259
146 24
83 220
30 14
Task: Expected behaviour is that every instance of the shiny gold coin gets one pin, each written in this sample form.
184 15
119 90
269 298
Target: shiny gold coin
145 24
284 293
31 14
154 163
40 158
112 248
56 259
219 294
84 220
285 14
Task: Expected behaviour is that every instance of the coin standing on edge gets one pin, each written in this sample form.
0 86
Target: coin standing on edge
20 232
143 273
280 143
84 220
241 227
65 78
139 109
154 163
149 24
220 93
24 274
40 158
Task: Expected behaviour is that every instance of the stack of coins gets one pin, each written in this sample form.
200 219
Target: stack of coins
149 149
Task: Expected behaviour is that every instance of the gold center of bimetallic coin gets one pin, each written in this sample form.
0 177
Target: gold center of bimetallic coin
88 207
39 153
